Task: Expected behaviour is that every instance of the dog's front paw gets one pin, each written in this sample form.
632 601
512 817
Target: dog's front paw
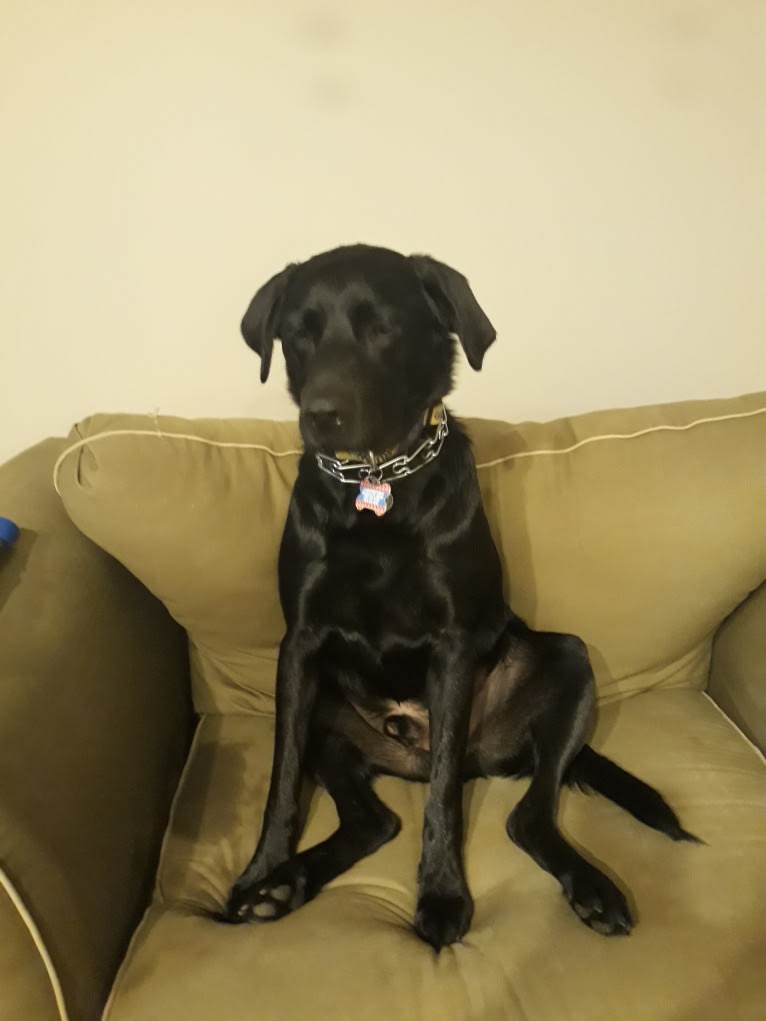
267 899
597 902
443 918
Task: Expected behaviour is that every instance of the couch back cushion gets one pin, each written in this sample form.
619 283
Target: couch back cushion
639 530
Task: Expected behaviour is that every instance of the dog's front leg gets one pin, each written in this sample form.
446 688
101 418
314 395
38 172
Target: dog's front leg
445 907
295 699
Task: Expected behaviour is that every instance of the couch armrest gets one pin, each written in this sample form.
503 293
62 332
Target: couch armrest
95 721
738 669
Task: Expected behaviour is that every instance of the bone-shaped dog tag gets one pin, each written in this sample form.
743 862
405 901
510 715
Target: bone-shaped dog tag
374 496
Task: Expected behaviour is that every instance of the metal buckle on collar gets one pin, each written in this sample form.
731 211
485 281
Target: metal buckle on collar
354 471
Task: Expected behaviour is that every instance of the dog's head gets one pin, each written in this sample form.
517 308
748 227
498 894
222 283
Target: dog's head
368 337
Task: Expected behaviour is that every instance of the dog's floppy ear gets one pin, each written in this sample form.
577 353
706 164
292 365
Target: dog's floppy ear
456 306
260 324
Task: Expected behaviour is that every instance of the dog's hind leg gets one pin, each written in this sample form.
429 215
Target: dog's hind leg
545 720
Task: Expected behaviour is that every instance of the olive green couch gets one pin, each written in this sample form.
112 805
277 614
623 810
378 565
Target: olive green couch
138 640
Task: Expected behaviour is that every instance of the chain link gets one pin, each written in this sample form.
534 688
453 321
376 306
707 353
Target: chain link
399 467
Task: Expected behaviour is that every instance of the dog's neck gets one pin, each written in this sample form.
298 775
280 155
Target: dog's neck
399 462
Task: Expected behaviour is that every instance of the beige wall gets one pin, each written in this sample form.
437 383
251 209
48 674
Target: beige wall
598 170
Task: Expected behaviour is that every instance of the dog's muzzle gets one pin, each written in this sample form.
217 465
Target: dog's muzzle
355 469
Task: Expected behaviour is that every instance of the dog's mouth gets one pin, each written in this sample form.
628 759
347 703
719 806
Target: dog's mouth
328 432
346 432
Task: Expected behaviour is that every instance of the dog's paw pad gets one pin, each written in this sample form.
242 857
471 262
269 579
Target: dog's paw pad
265 910
589 910
271 898
282 894
597 902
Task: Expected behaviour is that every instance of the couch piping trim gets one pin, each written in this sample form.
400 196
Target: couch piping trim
748 741
224 444
16 899
622 436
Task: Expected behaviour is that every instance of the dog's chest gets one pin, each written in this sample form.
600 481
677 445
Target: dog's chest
381 586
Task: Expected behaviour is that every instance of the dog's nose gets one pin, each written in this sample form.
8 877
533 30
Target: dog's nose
323 416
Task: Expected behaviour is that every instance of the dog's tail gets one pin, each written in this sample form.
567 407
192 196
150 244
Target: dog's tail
593 772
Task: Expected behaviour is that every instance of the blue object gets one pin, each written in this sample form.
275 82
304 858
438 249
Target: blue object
9 532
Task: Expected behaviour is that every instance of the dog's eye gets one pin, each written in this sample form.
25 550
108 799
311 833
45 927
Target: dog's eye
377 331
312 322
361 316
367 322
304 329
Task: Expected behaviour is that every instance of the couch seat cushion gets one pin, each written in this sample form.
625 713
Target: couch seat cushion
696 953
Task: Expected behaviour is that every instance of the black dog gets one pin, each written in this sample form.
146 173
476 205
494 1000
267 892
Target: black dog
401 655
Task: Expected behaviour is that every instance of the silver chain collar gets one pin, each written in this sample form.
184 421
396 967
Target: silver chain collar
355 471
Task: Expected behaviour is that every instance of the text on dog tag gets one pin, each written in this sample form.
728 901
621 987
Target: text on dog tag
374 496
